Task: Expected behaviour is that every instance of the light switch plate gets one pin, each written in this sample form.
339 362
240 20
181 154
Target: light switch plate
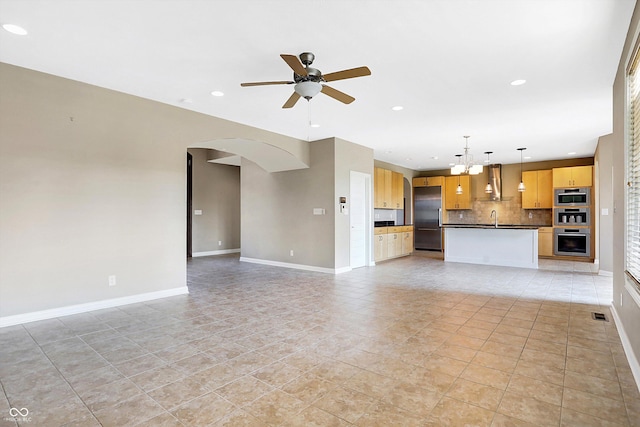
197 212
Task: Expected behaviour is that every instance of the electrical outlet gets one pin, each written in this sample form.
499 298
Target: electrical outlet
219 242
291 252
460 215
530 215
112 280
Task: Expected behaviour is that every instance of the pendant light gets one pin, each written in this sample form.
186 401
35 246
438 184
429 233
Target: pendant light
468 167
488 188
521 187
459 189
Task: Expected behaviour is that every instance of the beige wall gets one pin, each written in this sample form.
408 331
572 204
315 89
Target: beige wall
277 209
604 200
628 310
216 192
100 194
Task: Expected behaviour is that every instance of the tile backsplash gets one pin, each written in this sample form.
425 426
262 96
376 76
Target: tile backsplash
509 212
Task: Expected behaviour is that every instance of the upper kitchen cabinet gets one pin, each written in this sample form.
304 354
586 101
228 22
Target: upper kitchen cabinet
539 190
576 176
428 181
382 188
397 190
452 200
388 189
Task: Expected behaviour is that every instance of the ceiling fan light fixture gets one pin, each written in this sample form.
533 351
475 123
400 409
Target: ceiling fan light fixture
15 29
308 89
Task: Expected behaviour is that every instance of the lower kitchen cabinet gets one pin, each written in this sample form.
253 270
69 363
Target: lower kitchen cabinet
392 242
545 241
380 244
407 242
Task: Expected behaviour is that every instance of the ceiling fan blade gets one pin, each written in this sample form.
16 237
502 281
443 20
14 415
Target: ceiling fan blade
292 100
295 64
266 83
336 94
347 74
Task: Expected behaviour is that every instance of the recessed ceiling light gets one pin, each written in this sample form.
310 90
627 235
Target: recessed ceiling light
397 108
527 157
388 152
518 82
434 158
315 125
572 153
15 29
217 93
186 100
408 158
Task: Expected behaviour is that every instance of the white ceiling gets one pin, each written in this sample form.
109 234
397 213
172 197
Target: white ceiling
447 62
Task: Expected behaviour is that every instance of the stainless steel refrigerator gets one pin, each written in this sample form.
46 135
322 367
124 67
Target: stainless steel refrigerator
427 214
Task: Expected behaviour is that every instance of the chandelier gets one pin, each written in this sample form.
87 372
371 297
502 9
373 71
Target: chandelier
468 167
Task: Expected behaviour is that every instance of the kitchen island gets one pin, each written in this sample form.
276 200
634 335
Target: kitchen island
505 245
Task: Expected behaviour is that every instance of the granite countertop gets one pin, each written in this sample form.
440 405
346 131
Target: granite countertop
500 226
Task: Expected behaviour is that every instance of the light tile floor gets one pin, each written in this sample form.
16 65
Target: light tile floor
411 342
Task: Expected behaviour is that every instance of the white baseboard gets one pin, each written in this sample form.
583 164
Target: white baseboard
220 252
295 266
605 273
90 306
626 344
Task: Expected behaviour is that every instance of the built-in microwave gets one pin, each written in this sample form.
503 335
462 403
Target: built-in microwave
572 197
572 217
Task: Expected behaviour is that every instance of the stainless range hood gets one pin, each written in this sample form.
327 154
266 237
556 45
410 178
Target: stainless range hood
495 181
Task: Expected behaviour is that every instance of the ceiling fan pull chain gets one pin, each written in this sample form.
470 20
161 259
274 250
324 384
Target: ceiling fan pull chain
308 122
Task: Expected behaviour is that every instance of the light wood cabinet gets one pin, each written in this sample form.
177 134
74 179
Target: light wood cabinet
545 241
380 244
420 181
397 190
394 245
382 188
392 242
576 176
407 242
428 181
433 181
378 187
388 189
455 201
538 192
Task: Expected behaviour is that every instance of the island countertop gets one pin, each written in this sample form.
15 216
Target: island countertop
503 226
488 245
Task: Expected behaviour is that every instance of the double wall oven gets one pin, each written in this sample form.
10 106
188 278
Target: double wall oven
572 222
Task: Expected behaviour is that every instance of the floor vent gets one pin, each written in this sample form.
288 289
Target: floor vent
599 316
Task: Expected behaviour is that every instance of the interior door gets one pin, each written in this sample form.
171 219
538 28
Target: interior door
358 242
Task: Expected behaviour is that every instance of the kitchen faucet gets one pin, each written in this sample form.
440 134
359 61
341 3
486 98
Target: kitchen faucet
493 212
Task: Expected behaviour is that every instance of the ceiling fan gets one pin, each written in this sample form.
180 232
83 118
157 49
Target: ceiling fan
309 80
